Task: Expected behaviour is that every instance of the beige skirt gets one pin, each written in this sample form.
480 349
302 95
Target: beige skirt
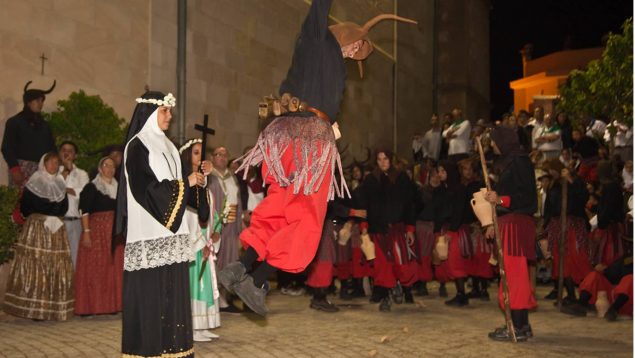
41 279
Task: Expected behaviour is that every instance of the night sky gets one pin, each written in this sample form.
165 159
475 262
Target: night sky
546 24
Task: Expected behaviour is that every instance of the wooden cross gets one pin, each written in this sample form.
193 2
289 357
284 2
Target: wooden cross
43 58
205 130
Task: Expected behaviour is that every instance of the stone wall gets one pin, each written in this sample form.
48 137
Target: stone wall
240 50
99 46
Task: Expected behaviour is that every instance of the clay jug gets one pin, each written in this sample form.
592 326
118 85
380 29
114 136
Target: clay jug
344 234
441 247
602 303
368 247
482 208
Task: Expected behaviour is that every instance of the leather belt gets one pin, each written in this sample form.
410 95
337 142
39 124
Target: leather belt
323 116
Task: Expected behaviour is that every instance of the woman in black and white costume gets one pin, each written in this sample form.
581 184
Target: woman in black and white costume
151 201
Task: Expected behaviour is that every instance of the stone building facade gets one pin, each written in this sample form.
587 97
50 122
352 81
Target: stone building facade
240 50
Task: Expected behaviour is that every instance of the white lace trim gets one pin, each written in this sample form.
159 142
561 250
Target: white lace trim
157 252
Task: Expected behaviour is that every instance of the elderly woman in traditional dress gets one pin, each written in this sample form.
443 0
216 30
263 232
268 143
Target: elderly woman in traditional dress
40 283
95 276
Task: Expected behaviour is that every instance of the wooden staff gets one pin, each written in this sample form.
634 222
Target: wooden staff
499 244
561 242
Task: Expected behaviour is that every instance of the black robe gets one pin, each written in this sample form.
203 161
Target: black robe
159 198
577 196
27 137
431 206
387 201
610 205
518 181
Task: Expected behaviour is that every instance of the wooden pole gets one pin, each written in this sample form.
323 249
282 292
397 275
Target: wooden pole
499 244
561 242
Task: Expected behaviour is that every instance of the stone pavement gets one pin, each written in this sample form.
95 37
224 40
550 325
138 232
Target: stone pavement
426 329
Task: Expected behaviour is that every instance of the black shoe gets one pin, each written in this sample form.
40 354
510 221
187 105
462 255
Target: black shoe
230 309
553 295
344 291
231 275
376 296
567 301
443 292
384 306
575 309
611 315
474 294
323 305
251 295
422 291
458 301
407 293
527 331
484 296
397 294
503 335
358 288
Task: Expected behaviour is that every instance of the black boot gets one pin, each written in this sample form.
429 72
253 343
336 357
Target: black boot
461 299
358 288
377 295
484 293
397 294
578 308
422 288
612 313
476 289
407 295
553 295
443 292
518 320
345 290
320 303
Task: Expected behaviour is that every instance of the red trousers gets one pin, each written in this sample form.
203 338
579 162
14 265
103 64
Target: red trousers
457 265
320 274
361 267
386 272
479 262
520 292
285 228
595 282
576 262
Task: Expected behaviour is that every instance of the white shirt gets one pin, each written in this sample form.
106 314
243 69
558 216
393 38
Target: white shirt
535 133
461 141
623 136
431 146
596 128
76 180
549 146
229 186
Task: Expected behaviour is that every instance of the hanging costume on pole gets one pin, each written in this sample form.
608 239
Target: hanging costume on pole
27 137
299 157
151 202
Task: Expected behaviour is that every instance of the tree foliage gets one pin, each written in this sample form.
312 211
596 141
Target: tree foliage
605 87
8 229
88 122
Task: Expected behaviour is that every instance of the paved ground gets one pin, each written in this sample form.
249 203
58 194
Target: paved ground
426 329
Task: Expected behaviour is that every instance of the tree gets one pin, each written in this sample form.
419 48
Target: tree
605 87
88 122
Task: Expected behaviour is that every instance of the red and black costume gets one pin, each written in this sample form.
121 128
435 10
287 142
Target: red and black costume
516 187
606 237
429 221
577 263
389 199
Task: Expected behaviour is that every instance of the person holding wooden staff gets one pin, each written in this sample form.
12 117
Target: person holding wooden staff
516 200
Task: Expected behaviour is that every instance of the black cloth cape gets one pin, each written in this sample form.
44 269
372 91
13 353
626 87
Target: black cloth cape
26 138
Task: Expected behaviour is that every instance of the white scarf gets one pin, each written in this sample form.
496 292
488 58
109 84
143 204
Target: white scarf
108 189
47 186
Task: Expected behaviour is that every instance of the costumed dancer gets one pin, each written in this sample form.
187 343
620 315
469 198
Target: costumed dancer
516 200
479 268
605 239
151 201
429 220
388 196
97 271
457 234
203 286
298 155
40 282
27 137
577 263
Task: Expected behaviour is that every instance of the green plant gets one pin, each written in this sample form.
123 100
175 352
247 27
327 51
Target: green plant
605 87
88 122
8 229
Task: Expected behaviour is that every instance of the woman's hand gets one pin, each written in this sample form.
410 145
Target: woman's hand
86 239
206 167
196 179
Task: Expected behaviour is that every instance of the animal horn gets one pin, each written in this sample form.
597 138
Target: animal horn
372 22
26 86
52 87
